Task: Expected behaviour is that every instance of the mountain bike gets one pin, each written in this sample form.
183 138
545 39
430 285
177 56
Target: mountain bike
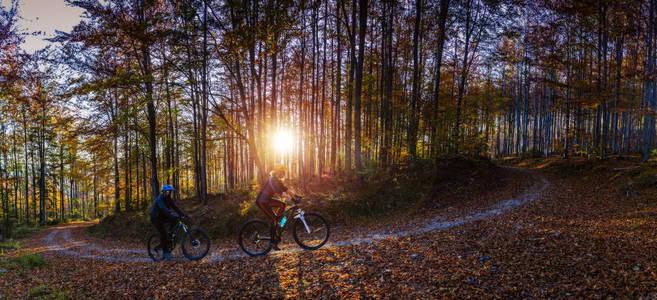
310 231
195 242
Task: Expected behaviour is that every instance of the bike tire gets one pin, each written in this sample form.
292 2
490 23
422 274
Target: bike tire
153 242
190 236
298 229
261 228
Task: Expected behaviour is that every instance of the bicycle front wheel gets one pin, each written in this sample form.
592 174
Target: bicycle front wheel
255 237
154 247
195 244
313 234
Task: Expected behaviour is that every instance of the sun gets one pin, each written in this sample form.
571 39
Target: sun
282 141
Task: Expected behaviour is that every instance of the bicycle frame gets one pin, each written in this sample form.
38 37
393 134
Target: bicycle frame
174 231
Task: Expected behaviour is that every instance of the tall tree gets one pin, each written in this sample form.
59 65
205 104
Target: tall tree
362 32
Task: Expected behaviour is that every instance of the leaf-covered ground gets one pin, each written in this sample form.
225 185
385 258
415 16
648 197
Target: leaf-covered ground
586 236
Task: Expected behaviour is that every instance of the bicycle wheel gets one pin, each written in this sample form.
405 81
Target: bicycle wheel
255 237
195 244
154 247
318 234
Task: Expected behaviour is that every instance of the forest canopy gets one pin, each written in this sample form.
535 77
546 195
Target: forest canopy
200 94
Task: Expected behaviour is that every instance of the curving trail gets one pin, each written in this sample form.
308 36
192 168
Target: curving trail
60 239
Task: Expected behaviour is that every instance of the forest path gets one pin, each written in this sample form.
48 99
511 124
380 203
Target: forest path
70 239
559 231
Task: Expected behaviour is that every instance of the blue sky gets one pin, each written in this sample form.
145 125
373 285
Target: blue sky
45 16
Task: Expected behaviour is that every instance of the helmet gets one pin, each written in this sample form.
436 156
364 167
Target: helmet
167 187
278 169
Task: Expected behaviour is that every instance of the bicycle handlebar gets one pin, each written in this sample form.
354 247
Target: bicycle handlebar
184 220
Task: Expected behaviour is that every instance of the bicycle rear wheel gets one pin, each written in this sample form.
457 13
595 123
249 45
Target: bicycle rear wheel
315 235
154 247
255 237
195 244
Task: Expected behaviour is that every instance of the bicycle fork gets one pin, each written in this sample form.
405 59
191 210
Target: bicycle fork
303 220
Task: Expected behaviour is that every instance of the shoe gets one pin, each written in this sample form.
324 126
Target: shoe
166 256
275 246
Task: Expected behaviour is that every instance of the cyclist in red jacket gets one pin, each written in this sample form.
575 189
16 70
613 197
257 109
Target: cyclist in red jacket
273 187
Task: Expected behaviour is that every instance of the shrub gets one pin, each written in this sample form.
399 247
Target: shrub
136 225
55 221
39 291
226 219
9 242
645 180
532 153
25 231
18 232
9 245
398 187
45 292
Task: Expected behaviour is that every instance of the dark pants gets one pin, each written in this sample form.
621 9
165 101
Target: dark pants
161 223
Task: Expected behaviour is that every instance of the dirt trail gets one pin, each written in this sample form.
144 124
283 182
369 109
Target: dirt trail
60 239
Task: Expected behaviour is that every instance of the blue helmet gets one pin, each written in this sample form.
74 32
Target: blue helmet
167 187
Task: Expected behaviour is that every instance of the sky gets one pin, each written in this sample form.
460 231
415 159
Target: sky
45 16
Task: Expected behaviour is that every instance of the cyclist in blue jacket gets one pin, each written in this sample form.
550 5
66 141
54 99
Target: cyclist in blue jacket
161 215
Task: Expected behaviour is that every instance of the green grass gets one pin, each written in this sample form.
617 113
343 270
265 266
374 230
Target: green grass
24 231
642 179
9 245
24 262
45 292
39 291
20 232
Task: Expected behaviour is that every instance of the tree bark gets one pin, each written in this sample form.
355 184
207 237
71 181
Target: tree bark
359 84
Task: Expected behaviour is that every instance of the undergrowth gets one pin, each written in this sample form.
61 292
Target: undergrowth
9 245
44 291
135 225
375 191
23 263
10 240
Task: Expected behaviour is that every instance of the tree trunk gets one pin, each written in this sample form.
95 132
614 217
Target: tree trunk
413 122
464 68
359 84
442 21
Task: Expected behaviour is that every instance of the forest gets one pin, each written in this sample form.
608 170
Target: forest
416 107
195 93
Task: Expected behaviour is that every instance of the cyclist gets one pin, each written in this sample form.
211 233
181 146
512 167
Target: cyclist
161 214
272 187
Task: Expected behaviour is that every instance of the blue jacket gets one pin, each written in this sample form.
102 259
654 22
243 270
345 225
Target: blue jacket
162 208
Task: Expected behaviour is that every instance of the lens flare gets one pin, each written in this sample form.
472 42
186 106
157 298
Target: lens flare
282 141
